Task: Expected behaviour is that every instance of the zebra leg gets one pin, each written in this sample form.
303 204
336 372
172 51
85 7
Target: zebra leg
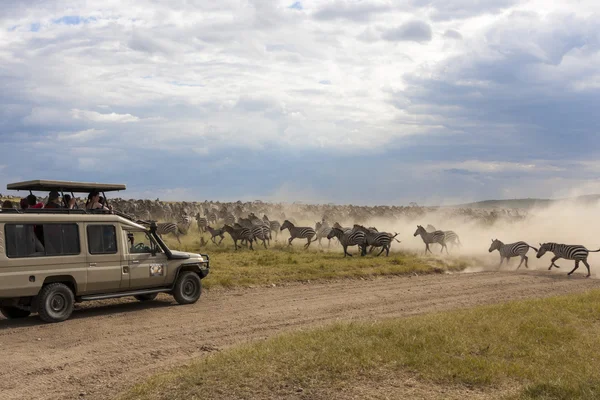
552 263
250 244
526 261
522 259
346 251
576 266
309 240
588 268
382 249
290 241
427 248
222 237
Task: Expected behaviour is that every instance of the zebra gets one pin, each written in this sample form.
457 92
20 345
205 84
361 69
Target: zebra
261 232
338 226
273 225
353 238
229 219
202 223
431 237
451 236
183 223
298 232
568 252
164 228
511 250
240 233
375 238
211 216
322 228
214 233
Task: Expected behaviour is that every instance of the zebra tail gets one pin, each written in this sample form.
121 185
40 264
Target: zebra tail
537 249
594 251
394 237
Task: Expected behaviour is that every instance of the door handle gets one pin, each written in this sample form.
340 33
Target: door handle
92 264
135 261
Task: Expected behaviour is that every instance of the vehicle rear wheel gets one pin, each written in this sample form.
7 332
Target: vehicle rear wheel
187 288
55 302
14 312
146 297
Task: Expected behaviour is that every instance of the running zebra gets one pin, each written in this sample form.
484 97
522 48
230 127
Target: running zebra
353 238
322 228
202 223
262 232
229 219
273 225
298 232
241 233
511 250
164 228
220 232
568 252
431 237
451 236
375 238
183 223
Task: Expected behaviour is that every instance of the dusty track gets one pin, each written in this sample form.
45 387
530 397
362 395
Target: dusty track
107 347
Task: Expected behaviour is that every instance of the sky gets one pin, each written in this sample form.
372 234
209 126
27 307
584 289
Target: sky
343 101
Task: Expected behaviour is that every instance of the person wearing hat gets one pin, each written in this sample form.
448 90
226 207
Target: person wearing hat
53 200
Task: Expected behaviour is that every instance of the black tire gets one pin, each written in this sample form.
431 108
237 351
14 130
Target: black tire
188 288
55 302
146 297
14 312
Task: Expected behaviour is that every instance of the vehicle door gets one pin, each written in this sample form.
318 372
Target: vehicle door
105 273
147 263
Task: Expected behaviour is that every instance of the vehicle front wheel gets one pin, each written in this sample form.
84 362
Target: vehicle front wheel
187 288
55 302
146 297
14 312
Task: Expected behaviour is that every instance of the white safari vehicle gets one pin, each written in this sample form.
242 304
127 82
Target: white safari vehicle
51 258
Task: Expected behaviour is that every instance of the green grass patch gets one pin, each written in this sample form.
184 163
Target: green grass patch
546 349
281 264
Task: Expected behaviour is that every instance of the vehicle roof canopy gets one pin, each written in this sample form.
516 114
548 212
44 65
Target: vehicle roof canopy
65 186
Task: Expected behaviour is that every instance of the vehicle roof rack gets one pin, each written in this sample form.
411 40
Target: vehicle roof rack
65 186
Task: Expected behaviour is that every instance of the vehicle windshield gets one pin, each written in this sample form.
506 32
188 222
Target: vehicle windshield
142 242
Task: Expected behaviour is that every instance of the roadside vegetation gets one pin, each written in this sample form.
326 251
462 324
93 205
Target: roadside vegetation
280 264
536 349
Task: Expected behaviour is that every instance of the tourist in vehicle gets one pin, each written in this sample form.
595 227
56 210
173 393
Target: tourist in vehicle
33 203
69 201
24 204
7 205
93 202
53 201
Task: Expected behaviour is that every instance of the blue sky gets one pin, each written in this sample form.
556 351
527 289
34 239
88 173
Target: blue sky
367 102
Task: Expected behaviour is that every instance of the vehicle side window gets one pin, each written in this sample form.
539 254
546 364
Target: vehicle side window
102 239
29 240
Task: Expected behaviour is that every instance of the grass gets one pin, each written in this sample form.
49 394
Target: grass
541 349
280 264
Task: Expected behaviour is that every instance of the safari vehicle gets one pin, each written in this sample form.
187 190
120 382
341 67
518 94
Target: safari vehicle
51 258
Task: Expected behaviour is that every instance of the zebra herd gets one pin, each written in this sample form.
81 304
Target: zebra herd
254 230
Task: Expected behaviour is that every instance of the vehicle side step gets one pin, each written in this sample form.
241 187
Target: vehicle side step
123 294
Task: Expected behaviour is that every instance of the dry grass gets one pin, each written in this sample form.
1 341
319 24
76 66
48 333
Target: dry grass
281 264
537 349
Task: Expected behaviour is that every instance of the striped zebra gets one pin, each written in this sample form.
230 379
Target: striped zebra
202 223
229 219
262 232
375 238
183 223
211 216
431 237
241 233
273 225
451 236
511 250
338 226
322 228
353 238
219 232
298 232
568 252
164 228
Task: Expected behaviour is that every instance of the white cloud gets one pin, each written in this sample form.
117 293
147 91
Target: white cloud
99 117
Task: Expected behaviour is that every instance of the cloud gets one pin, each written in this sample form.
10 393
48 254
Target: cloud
357 101
358 11
99 117
415 31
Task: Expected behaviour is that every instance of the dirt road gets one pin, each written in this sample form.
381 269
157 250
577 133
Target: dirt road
107 347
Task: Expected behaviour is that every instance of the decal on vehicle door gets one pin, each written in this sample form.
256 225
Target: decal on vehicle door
157 270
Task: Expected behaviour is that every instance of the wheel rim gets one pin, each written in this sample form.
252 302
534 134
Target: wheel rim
189 288
58 303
